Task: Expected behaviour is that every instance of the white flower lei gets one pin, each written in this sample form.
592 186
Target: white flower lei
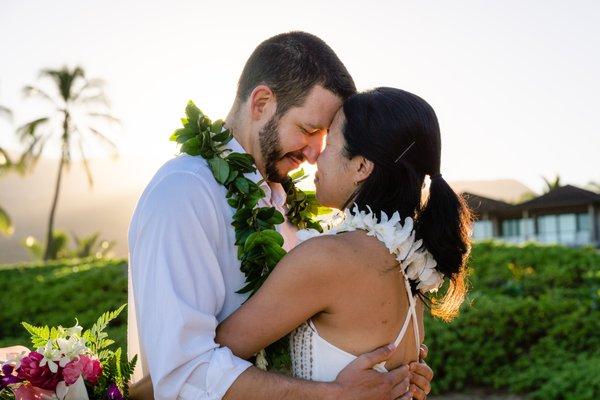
417 263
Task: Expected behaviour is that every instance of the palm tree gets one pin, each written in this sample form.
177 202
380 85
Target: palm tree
552 184
78 106
6 226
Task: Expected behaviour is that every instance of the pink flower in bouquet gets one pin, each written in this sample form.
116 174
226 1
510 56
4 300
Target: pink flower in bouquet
85 366
41 377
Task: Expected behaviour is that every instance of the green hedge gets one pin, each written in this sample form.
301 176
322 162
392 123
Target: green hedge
531 324
56 293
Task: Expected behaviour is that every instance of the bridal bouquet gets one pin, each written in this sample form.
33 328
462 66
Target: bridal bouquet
69 364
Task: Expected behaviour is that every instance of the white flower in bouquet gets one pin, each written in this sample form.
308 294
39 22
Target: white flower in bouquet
70 349
50 355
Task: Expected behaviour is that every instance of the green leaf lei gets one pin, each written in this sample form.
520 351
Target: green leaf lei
259 245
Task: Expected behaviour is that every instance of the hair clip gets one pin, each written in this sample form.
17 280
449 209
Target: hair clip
404 152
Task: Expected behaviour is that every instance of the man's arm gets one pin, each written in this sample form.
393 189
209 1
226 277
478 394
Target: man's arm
179 289
358 381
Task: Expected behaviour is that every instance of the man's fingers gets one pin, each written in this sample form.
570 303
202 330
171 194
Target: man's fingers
423 352
398 375
417 393
401 389
421 383
418 368
368 360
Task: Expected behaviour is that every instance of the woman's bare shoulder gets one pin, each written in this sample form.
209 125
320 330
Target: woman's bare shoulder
342 253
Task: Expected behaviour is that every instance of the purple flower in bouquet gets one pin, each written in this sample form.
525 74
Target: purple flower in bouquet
39 376
7 377
85 366
114 393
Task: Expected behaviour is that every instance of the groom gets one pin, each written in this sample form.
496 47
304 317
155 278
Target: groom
184 272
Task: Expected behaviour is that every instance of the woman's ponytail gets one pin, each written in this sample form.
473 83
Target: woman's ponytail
443 224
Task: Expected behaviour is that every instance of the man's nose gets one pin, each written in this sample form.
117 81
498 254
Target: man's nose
313 148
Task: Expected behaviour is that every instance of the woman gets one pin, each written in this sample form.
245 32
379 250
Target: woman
364 283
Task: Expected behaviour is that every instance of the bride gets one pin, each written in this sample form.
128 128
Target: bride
365 282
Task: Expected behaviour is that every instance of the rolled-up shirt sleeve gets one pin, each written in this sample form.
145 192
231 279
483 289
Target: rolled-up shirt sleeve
179 289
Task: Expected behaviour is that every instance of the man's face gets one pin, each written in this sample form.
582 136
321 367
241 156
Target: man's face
296 136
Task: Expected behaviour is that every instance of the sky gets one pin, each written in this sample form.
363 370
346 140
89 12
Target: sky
515 84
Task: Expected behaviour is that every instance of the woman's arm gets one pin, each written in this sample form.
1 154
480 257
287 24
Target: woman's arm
302 285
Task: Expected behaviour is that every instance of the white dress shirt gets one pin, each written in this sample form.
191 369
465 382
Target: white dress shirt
183 275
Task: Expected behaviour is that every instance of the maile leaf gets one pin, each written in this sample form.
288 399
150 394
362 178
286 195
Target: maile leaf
220 169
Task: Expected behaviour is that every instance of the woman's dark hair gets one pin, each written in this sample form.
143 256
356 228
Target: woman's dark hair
291 64
399 133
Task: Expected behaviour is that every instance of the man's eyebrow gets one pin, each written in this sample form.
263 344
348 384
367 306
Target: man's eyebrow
311 126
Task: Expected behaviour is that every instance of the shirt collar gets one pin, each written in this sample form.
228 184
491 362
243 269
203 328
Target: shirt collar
274 192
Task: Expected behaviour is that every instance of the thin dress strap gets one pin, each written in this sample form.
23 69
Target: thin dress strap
412 313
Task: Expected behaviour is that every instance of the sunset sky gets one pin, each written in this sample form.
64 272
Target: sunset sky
515 84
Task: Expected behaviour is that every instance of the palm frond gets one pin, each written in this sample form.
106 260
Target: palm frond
90 84
6 227
98 98
105 116
84 160
6 112
32 91
103 138
64 78
5 161
552 184
31 128
29 158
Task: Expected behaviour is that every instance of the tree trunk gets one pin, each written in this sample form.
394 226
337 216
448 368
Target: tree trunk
49 234
61 164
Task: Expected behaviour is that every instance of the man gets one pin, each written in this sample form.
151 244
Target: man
184 267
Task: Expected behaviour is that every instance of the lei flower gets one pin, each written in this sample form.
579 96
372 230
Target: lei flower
416 262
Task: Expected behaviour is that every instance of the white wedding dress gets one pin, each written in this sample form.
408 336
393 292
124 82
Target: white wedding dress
316 359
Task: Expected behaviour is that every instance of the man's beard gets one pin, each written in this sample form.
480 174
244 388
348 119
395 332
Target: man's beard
270 148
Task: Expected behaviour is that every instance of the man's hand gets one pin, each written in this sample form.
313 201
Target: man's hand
358 381
420 376
142 389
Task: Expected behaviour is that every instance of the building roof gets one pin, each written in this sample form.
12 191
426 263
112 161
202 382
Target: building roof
507 190
564 196
481 205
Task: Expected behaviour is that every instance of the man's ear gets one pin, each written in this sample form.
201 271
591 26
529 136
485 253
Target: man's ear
262 102
365 168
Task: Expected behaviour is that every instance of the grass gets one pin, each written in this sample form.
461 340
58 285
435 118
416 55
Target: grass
56 293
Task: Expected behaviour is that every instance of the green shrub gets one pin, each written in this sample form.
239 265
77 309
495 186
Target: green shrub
532 315
56 293
531 323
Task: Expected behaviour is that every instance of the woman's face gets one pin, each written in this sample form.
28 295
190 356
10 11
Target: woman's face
337 176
